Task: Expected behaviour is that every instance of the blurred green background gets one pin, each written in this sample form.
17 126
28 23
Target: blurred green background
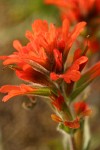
22 129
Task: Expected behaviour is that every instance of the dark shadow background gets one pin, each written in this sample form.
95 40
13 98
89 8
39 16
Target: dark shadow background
22 129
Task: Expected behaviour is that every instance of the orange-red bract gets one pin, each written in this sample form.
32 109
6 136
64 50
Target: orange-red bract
82 109
16 90
73 72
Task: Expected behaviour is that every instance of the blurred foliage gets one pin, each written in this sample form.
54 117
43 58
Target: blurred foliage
16 16
14 11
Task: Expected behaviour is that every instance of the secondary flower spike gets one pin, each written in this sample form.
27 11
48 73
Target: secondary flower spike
82 10
77 10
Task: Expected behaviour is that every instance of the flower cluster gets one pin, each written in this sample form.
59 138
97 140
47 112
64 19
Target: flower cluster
43 65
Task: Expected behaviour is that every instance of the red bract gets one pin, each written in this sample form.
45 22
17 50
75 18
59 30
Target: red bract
82 109
16 90
71 124
56 118
26 72
24 89
58 102
73 72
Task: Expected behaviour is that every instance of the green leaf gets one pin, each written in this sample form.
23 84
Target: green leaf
43 91
78 90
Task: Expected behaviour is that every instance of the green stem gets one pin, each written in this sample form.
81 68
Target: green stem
78 139
74 139
73 143
66 111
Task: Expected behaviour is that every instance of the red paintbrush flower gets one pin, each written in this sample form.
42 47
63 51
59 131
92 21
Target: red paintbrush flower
44 58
